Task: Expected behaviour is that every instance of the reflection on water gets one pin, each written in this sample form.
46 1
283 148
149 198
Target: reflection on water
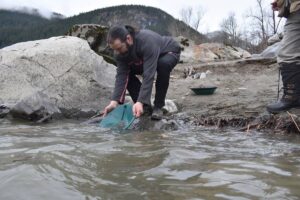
73 161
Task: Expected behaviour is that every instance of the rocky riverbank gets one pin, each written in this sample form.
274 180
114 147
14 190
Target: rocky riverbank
62 77
245 87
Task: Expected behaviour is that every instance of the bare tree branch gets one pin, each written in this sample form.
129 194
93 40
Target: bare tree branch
192 17
186 15
260 21
198 17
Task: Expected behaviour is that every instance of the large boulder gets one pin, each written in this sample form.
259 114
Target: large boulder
63 70
209 52
270 52
225 52
96 36
37 107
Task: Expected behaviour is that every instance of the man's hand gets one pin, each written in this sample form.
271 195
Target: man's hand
112 105
137 109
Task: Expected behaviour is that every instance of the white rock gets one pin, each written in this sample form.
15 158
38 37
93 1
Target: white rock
64 68
170 106
203 75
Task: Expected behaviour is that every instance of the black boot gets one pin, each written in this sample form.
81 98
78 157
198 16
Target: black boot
147 110
291 89
157 114
289 100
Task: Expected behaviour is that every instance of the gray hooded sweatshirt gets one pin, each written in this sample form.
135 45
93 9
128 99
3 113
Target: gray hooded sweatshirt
147 47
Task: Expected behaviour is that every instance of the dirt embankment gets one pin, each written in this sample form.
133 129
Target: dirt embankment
245 87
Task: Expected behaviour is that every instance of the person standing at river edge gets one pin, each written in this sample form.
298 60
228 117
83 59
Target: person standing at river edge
143 53
289 56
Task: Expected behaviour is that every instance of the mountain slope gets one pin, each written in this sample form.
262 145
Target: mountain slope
18 27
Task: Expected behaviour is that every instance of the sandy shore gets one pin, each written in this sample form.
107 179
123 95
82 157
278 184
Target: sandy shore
245 87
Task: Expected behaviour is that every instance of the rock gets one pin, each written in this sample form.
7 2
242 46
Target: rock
170 106
226 52
243 53
37 107
96 36
186 49
196 76
145 123
166 125
209 52
204 54
269 52
64 68
275 38
4 110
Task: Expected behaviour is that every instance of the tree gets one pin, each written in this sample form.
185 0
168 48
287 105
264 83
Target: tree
186 15
192 17
199 13
261 24
274 22
230 27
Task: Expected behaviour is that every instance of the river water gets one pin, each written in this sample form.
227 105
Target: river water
68 160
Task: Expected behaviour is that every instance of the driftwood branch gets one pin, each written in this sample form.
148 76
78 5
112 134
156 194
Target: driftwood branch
293 120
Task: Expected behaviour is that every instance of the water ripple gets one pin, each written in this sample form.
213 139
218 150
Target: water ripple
68 160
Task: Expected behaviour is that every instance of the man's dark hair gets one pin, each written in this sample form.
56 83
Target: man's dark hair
119 32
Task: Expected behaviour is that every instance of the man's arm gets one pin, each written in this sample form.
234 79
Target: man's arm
120 83
151 53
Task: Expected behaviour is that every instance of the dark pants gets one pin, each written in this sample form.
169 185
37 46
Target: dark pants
165 65
289 53
290 45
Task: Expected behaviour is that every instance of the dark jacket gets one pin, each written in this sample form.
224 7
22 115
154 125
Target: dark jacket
147 47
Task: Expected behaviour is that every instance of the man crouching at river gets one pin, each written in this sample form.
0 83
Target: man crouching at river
143 53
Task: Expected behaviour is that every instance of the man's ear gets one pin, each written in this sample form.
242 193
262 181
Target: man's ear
129 39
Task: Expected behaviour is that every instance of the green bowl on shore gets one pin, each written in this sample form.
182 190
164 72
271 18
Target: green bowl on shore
203 90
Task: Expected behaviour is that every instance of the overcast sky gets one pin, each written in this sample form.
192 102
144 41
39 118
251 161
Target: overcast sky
216 10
